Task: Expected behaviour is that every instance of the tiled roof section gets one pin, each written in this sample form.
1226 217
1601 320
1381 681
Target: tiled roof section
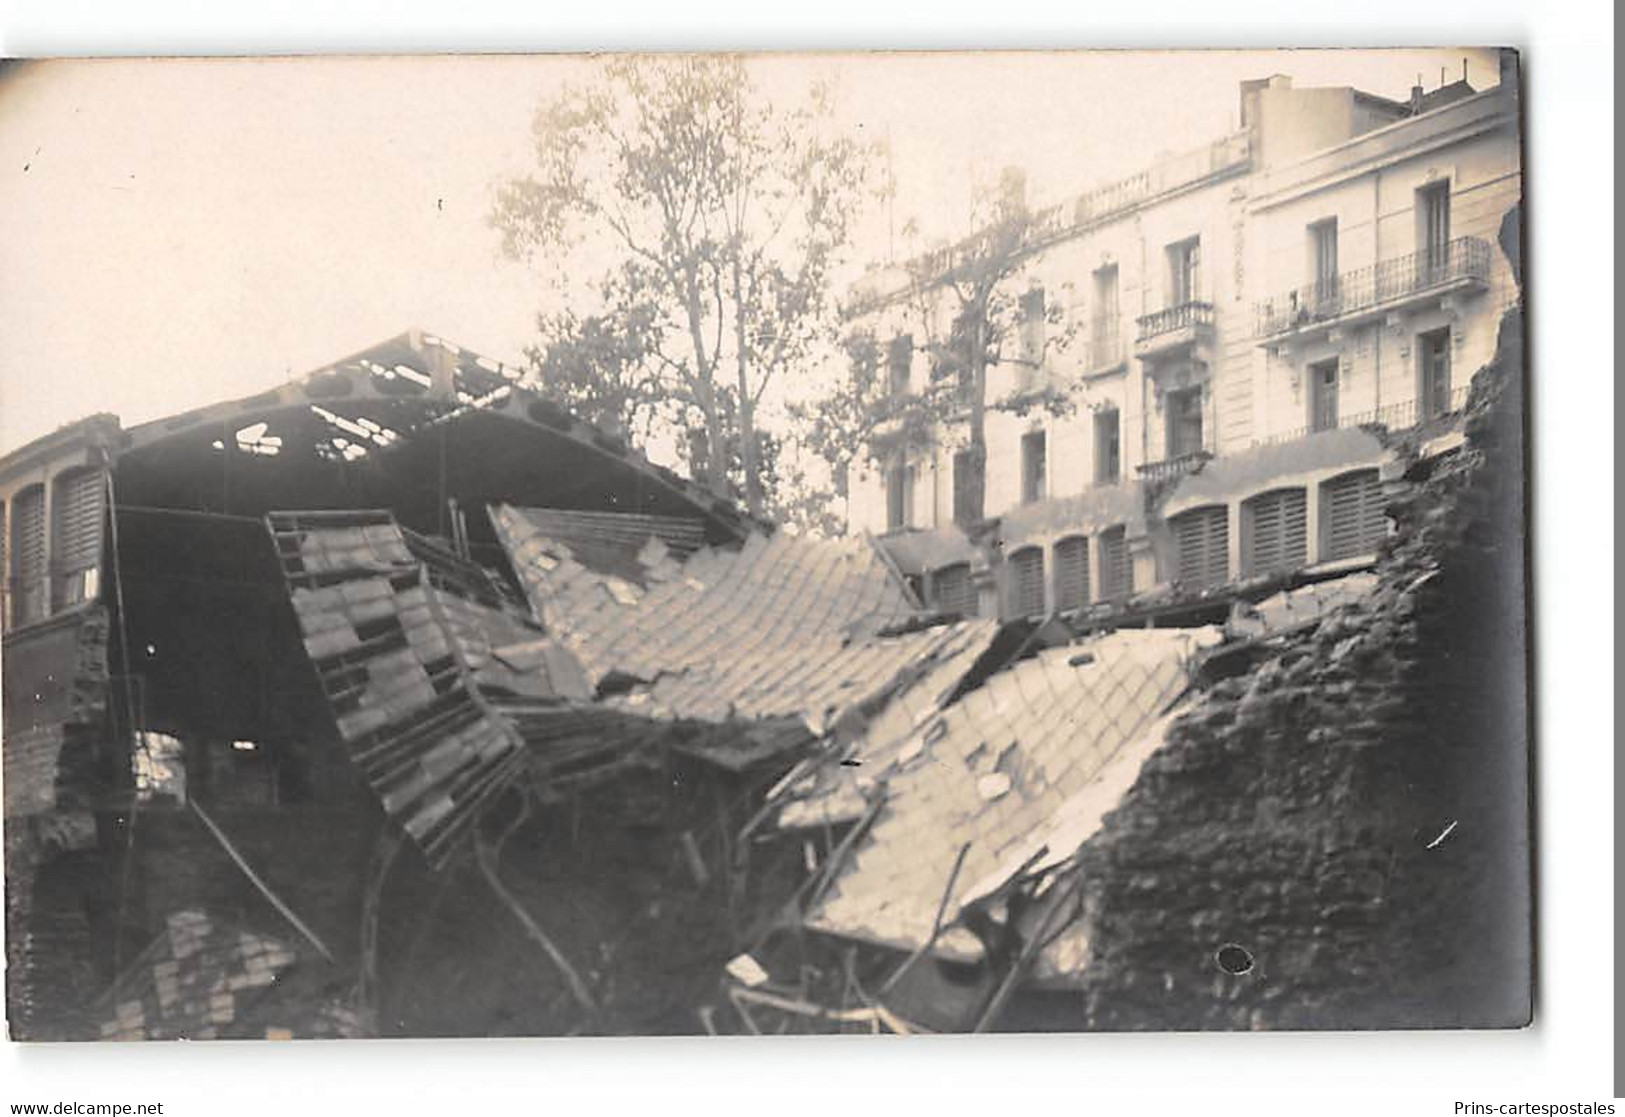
780 628
617 542
203 978
916 552
190 983
832 793
411 644
1044 748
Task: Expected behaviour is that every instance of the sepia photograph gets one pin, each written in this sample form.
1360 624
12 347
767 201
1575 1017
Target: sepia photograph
765 544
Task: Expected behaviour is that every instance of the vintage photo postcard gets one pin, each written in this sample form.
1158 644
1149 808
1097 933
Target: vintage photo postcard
672 544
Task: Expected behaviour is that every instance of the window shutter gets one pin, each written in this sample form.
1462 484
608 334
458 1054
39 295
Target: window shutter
1202 546
78 512
1027 582
1277 538
953 591
1116 575
28 554
1072 573
1352 512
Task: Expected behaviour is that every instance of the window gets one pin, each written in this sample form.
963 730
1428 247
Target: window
898 501
1433 393
961 347
1071 573
1275 532
29 600
76 543
1032 331
1323 395
1323 242
1027 582
1352 522
1103 323
1116 574
1201 546
1108 447
1184 422
1185 271
1034 463
1433 230
967 484
952 590
899 361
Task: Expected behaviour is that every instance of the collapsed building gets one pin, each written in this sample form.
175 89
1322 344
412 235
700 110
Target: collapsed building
397 701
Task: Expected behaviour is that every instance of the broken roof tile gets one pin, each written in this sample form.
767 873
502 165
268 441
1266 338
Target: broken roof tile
1027 765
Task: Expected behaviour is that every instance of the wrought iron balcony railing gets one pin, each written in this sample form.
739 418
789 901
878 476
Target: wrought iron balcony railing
1182 316
1463 261
1226 155
1394 416
1169 468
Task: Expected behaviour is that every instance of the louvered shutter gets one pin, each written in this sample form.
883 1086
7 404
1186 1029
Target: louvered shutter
1202 546
28 555
1277 538
1072 573
1027 582
77 535
1116 576
952 590
1352 517
79 520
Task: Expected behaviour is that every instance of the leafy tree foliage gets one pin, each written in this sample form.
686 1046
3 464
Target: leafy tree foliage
706 222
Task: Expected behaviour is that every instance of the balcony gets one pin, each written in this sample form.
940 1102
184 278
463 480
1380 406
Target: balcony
1369 292
1403 416
1182 326
1170 468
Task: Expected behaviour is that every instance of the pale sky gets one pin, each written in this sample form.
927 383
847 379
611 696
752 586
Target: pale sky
174 233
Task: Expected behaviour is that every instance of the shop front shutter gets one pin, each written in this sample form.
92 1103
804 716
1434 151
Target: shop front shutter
1027 582
1352 518
1071 573
952 591
28 555
1116 575
1277 532
1202 546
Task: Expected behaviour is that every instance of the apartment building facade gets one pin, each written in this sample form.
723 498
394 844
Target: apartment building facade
1243 323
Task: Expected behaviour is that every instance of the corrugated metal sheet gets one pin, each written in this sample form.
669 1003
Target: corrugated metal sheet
1040 749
